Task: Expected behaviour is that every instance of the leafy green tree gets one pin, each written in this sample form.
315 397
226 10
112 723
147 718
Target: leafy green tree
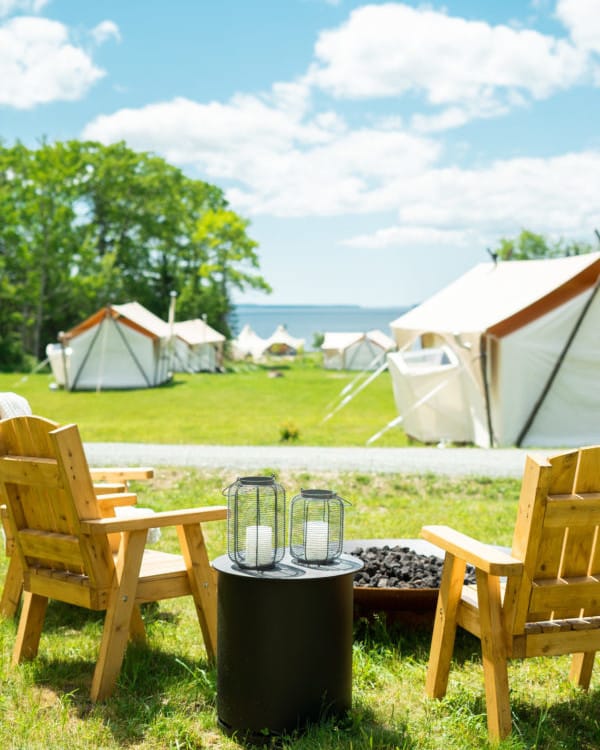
222 258
83 224
529 245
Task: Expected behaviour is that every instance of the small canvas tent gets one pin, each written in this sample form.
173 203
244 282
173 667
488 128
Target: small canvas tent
281 343
247 344
198 347
120 346
355 351
510 355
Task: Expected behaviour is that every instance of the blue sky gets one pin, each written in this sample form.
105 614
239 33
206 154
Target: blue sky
377 148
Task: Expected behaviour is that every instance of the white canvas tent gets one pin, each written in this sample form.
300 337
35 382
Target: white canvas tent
247 344
120 346
198 347
511 356
281 342
355 351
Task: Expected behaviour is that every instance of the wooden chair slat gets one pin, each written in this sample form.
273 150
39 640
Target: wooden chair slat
61 540
553 607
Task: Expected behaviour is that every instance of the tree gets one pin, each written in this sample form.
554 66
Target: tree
83 225
529 245
221 258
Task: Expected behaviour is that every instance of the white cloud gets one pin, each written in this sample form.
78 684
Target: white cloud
106 30
582 19
38 64
412 236
28 6
556 196
392 49
283 161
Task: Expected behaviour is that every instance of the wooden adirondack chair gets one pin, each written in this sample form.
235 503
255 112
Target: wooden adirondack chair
549 603
65 546
107 480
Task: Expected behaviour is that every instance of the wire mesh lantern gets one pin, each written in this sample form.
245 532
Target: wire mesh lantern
317 527
255 522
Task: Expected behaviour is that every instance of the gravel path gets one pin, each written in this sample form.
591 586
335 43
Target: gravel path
504 462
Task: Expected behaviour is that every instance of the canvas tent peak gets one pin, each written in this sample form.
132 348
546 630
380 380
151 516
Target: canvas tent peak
281 342
247 344
519 341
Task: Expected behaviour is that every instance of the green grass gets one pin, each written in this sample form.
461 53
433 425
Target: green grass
165 697
242 407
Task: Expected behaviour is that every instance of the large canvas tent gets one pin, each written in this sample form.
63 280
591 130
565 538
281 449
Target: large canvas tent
510 355
120 346
355 351
198 347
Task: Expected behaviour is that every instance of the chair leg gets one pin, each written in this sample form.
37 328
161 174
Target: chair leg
13 587
444 629
137 629
202 582
494 656
30 627
581 669
117 622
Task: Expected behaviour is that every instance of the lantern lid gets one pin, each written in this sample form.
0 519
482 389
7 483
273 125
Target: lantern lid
256 480
318 494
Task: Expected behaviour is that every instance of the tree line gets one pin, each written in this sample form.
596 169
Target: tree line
83 225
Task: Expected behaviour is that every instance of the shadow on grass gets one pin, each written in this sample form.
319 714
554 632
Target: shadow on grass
356 730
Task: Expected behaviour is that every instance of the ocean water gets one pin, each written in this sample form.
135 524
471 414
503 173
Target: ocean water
304 321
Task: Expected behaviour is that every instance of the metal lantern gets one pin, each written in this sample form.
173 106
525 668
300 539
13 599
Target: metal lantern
317 527
255 522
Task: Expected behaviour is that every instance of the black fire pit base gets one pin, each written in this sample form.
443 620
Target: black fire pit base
284 646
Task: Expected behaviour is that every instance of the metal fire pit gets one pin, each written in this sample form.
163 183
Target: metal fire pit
404 605
284 645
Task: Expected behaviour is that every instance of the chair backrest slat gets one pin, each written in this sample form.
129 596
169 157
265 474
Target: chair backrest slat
46 482
557 538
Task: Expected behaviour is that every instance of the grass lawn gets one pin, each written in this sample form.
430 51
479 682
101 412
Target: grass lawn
166 698
242 407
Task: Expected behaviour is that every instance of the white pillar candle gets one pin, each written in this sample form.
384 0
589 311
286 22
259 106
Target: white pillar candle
316 540
259 545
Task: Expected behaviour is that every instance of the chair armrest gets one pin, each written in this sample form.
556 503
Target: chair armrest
108 488
482 556
125 474
155 520
113 499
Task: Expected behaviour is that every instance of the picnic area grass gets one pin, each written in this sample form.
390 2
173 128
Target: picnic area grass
243 406
166 698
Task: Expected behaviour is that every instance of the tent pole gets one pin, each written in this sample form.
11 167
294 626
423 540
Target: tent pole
486 387
558 365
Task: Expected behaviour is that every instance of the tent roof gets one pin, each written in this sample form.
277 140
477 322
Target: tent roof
381 339
501 298
133 314
196 331
281 336
342 340
137 313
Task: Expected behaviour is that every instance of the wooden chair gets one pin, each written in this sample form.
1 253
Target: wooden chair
107 480
549 603
63 543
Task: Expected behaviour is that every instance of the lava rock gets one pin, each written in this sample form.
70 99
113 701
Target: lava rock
400 567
